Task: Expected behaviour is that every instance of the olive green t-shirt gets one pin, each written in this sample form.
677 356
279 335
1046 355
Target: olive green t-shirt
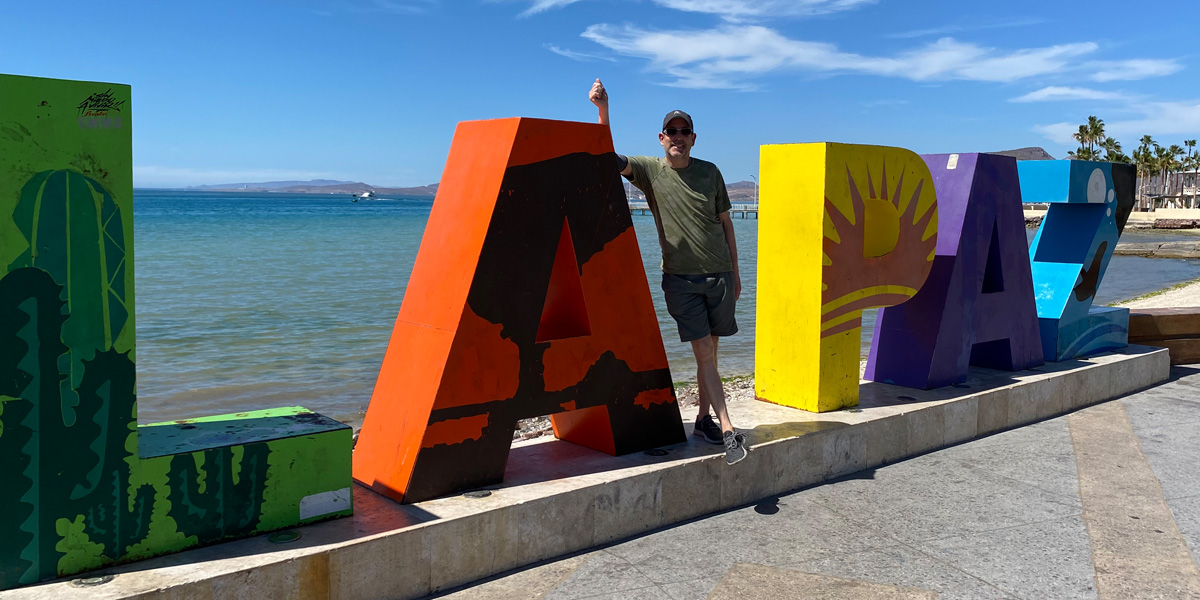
686 204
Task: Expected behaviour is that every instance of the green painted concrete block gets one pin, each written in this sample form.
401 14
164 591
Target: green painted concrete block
81 485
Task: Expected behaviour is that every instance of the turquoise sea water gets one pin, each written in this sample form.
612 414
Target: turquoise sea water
261 300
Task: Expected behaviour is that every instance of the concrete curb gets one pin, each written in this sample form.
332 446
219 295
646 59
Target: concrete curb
559 498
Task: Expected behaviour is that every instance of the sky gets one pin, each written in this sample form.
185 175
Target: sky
371 90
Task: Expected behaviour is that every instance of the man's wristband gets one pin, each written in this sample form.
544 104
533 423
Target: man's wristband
622 162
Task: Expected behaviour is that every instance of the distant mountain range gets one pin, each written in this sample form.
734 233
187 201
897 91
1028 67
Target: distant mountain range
739 191
267 185
318 186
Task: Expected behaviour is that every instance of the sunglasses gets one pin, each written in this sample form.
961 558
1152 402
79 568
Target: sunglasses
673 131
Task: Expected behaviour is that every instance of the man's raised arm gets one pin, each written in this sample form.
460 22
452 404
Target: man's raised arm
599 96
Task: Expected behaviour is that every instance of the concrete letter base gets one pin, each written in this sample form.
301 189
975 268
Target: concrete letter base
1176 329
558 497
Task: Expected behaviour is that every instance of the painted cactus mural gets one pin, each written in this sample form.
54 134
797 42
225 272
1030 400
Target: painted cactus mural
84 486
76 235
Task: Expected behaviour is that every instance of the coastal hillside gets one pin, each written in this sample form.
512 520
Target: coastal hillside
1030 153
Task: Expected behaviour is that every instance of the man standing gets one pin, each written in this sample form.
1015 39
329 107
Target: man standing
700 272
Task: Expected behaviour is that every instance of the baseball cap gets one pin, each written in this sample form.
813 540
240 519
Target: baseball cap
678 114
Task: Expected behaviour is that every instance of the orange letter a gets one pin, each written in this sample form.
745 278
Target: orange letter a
528 298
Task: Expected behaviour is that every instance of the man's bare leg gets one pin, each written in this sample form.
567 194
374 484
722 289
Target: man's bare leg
703 400
708 380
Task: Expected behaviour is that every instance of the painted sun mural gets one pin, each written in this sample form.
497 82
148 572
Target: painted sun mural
882 235
843 228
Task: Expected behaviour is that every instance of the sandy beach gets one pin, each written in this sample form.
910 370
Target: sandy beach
1187 294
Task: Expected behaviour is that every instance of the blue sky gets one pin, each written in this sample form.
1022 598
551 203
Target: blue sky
371 90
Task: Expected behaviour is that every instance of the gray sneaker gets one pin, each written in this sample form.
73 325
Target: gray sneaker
742 440
734 449
708 429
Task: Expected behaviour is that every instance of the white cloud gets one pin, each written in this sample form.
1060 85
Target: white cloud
886 102
732 10
1025 63
737 10
947 29
728 56
1125 70
162 176
580 56
1059 133
538 6
1054 92
1159 118
1177 119
396 7
391 7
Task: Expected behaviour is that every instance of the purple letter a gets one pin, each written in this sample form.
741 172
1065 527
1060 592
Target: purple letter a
977 307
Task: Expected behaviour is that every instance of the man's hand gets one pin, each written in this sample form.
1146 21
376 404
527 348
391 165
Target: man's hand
599 96
731 239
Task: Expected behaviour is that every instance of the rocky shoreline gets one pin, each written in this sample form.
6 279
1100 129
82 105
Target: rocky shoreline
1177 249
1159 249
1033 221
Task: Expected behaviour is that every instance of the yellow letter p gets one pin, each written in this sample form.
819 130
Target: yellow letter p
843 228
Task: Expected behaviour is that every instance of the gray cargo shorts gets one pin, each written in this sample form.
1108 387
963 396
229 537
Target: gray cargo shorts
701 304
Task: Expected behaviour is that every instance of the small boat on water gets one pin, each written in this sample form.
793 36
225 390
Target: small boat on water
367 194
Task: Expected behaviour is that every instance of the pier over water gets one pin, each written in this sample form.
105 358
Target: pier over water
742 210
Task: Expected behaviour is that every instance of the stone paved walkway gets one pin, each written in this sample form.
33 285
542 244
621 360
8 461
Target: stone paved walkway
1103 503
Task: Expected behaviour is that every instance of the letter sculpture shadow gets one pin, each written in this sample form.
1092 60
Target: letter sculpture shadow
528 298
1089 205
977 306
843 228
82 485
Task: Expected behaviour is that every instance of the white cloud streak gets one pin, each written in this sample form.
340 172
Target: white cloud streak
740 10
395 7
948 29
1056 93
539 6
726 57
579 56
731 10
1128 70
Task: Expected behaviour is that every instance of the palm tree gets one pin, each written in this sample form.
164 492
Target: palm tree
1144 159
1084 153
1175 164
1089 136
1084 137
1190 164
1112 151
1193 162
1095 129
1159 162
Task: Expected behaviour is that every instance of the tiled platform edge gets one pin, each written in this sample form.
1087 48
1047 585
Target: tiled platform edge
558 498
